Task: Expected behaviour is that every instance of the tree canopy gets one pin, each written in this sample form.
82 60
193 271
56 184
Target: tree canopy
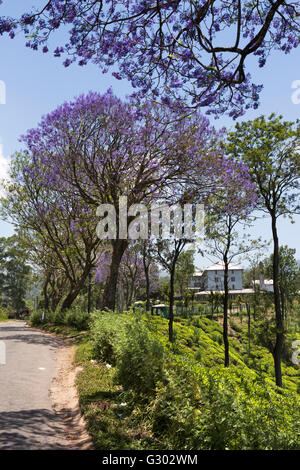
178 49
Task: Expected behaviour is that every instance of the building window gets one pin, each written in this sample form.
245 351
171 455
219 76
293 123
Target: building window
233 279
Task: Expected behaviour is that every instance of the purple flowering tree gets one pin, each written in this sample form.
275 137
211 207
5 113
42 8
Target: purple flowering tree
133 279
99 148
195 50
59 229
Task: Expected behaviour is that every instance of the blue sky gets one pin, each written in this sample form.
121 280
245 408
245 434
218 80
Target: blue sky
37 83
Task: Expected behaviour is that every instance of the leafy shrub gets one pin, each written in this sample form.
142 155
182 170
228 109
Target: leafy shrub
58 317
39 317
217 337
3 313
217 408
141 359
77 318
106 332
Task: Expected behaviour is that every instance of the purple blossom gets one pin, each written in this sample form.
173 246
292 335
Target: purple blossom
135 39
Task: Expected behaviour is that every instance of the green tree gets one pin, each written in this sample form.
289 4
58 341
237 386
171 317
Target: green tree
167 253
184 271
288 280
15 272
270 148
224 243
59 230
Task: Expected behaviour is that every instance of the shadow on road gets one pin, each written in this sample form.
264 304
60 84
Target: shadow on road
32 338
30 430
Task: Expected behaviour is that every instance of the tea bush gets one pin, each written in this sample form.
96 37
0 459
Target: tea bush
184 396
217 409
141 360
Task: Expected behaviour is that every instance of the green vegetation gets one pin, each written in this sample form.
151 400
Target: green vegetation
139 391
15 272
3 314
73 318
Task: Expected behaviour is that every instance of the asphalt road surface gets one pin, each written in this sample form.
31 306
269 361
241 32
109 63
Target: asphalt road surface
27 420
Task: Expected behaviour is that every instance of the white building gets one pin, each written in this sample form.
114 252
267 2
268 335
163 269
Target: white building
264 284
212 278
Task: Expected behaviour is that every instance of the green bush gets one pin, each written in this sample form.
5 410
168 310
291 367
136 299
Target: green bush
217 337
141 360
217 409
106 332
74 318
39 317
77 318
3 314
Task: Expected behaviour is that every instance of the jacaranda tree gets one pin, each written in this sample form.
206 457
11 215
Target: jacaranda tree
191 49
59 229
99 149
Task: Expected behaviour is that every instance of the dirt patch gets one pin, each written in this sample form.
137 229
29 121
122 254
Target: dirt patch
65 399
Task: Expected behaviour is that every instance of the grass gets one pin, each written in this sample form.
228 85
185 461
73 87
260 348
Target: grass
110 421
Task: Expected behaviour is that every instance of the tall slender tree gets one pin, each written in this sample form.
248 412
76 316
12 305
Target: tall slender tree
270 147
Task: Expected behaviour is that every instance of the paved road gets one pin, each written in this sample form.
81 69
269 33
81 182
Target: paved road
27 420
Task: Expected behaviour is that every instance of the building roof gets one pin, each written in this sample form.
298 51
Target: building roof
220 267
235 291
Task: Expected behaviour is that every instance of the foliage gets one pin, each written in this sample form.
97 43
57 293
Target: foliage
175 49
74 318
184 271
14 272
77 318
141 361
184 398
107 330
3 313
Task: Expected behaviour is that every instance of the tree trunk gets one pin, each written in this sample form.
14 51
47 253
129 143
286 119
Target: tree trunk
67 303
75 289
248 307
109 297
171 304
146 271
89 293
147 289
279 343
225 314
45 292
